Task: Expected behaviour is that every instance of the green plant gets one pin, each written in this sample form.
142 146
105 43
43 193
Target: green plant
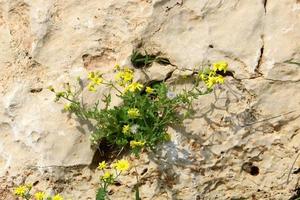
141 121
143 60
109 177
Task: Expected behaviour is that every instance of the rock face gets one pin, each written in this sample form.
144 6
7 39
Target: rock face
253 118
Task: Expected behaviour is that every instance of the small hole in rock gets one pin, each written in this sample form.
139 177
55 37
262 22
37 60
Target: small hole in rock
35 183
105 152
116 183
297 171
36 90
254 171
144 171
211 46
227 73
110 192
140 60
250 168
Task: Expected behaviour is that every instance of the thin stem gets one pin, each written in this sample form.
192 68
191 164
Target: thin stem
112 85
137 195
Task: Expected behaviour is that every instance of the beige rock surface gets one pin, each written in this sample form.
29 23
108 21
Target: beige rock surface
254 117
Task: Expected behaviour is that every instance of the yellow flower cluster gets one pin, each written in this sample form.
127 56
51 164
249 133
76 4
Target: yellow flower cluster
22 190
211 77
102 165
40 196
107 176
121 165
134 144
67 107
57 197
133 113
95 79
126 129
149 90
220 66
124 76
135 86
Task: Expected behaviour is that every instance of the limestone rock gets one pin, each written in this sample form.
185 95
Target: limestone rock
253 117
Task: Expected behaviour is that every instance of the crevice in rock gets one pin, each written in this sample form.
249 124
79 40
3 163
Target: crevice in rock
157 30
176 4
265 5
169 75
260 59
282 81
36 90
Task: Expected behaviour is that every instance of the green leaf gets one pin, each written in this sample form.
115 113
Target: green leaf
101 194
137 193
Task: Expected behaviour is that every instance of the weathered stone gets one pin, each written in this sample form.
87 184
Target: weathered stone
253 118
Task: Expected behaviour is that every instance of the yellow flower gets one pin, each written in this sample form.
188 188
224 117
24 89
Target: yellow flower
57 197
126 69
117 67
210 82
118 76
133 113
220 66
149 90
124 76
134 144
102 165
202 76
93 75
21 190
107 175
96 79
219 79
134 87
121 165
67 107
39 195
126 129
127 76
91 87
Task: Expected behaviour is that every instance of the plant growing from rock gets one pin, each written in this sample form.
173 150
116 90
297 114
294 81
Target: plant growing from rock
110 176
141 121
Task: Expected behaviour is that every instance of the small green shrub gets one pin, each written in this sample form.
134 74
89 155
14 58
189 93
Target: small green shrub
141 121
110 176
140 60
